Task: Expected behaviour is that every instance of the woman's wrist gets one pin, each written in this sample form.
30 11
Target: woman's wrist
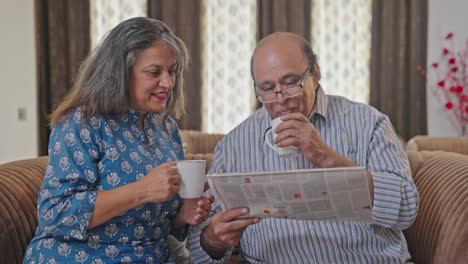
141 194
178 221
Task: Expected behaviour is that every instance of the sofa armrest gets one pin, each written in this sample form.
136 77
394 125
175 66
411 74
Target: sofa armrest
19 184
440 232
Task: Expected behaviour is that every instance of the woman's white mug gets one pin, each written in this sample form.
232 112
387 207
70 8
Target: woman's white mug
270 137
192 173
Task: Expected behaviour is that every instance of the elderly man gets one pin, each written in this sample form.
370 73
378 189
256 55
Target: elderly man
330 131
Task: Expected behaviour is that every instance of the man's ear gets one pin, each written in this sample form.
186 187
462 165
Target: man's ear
316 72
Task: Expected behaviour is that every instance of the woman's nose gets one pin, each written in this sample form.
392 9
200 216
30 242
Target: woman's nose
166 80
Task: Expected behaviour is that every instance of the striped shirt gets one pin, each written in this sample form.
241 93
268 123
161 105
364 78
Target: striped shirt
356 131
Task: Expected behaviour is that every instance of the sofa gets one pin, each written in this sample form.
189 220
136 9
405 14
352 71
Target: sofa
451 144
439 234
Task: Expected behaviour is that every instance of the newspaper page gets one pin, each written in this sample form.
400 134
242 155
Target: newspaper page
338 194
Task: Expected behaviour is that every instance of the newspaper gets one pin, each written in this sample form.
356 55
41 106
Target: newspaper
339 194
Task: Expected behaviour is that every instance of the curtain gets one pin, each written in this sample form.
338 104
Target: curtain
398 47
62 43
284 15
183 17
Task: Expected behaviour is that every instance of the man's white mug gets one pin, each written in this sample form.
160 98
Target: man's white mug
192 174
270 137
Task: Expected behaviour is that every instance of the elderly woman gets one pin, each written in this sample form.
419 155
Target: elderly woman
110 192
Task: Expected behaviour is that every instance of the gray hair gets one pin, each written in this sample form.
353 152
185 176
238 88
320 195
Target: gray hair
102 83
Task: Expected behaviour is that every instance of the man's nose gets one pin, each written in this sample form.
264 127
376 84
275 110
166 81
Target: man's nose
280 97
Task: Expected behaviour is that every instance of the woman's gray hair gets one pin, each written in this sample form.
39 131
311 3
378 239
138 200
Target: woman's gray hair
103 80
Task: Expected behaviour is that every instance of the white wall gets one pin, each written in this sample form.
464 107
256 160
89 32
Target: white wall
444 16
18 90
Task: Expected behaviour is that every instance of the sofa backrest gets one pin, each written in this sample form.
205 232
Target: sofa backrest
450 144
199 142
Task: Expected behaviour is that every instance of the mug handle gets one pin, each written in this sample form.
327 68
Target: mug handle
268 138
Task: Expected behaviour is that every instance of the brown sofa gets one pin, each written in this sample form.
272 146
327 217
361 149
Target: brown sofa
439 235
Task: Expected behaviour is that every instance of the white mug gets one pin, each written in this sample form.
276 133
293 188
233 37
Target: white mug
270 137
192 173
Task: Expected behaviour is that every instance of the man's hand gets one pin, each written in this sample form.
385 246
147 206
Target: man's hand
296 130
225 231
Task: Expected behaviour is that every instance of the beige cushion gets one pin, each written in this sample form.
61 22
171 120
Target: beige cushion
440 232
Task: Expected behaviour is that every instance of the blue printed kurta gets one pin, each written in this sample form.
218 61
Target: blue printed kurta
102 153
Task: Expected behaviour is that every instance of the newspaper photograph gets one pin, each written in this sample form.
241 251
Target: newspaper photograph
338 194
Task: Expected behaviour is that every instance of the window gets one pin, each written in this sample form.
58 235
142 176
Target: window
107 14
228 96
341 37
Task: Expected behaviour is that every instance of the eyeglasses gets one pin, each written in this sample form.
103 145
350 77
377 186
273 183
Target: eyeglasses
288 89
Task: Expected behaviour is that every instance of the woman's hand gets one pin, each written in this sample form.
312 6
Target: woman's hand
195 211
161 183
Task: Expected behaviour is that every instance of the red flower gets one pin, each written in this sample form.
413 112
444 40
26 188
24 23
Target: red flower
450 80
297 195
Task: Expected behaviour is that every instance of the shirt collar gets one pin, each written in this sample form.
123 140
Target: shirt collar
321 104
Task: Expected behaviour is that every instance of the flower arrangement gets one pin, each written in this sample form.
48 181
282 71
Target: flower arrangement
450 82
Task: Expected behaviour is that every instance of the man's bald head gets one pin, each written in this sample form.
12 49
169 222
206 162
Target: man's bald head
291 44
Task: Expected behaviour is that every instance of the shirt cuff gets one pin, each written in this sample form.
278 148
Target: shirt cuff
387 199
197 253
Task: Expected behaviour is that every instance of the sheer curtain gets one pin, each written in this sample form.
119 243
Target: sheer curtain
229 31
341 37
107 14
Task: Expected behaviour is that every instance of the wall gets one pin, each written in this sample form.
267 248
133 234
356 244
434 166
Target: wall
18 138
444 16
